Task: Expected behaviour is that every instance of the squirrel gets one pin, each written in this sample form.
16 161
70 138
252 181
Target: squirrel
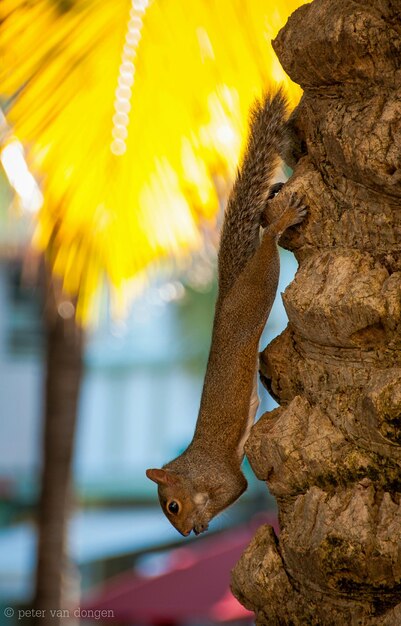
206 478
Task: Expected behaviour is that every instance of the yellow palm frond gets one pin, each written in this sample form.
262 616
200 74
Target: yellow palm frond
129 113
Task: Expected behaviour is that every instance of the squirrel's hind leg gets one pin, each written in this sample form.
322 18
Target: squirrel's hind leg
273 191
293 214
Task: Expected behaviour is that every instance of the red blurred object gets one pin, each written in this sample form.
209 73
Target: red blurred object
196 587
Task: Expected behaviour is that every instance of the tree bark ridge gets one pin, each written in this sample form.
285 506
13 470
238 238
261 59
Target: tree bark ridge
331 452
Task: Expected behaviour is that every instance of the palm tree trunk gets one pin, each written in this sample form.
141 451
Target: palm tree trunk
331 452
64 369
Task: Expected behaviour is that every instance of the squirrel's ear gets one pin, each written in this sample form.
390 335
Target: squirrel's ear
161 476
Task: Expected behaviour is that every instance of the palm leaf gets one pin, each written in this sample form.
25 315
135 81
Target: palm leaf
129 117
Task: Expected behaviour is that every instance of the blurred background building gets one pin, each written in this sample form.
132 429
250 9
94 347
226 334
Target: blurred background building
139 402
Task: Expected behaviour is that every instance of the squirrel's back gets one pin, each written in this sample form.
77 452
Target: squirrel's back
240 232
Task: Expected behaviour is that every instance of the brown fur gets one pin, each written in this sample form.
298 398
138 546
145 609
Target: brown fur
207 477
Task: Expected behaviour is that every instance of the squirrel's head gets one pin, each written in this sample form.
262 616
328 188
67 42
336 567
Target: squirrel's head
183 508
189 508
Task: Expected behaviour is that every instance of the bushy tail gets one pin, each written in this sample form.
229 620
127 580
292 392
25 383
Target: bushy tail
240 232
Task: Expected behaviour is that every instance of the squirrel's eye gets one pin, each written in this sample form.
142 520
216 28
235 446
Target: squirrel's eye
173 507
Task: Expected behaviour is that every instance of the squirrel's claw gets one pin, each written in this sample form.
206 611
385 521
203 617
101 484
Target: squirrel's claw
297 209
295 200
200 528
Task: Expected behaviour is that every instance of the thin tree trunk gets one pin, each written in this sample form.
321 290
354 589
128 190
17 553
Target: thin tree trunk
64 369
331 453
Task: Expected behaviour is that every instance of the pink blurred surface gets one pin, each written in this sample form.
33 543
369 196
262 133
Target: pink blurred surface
196 585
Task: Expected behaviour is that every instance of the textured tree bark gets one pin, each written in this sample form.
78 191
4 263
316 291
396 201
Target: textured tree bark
331 453
63 376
